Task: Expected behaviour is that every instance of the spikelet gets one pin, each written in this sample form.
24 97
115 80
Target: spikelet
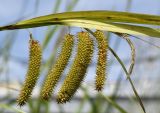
33 72
102 59
55 73
78 68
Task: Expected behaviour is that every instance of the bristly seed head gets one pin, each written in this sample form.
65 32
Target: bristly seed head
78 68
55 73
32 73
102 59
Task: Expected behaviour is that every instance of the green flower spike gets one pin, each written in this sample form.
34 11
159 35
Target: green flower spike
55 73
32 73
102 59
78 68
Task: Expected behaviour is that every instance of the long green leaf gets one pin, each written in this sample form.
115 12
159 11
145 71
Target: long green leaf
108 16
80 19
113 27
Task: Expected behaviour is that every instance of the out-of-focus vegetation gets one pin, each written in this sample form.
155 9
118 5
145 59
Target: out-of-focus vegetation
85 102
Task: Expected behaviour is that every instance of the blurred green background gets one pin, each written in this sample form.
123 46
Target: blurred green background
117 97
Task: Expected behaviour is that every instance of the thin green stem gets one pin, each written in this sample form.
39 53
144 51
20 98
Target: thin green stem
127 74
130 80
114 104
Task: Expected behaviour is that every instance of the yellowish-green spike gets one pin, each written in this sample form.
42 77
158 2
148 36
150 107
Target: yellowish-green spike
32 73
78 68
55 73
102 59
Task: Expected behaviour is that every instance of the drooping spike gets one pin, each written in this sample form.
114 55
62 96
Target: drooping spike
33 72
55 73
102 60
78 68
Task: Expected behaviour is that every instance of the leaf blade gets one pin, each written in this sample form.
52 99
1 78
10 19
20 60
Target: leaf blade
107 26
108 16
